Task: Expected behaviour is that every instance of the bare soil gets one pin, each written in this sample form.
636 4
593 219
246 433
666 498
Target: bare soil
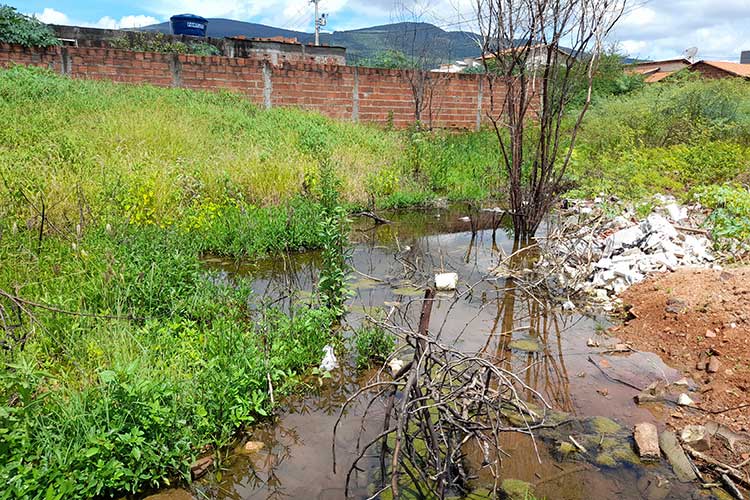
698 321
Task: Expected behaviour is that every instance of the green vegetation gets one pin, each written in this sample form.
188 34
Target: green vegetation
124 359
24 30
666 138
159 42
730 218
373 344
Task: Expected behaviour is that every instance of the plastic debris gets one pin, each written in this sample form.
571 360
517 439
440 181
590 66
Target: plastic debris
329 362
446 281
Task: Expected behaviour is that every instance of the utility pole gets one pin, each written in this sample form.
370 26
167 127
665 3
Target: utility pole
319 21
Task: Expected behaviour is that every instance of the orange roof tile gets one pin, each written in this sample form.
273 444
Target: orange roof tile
736 69
658 76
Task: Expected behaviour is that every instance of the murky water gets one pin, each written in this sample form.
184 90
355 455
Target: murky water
495 318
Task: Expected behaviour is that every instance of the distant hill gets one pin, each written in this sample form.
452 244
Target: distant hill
411 38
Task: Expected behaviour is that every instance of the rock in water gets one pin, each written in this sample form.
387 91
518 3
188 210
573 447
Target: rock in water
676 456
446 281
647 441
696 437
201 466
329 362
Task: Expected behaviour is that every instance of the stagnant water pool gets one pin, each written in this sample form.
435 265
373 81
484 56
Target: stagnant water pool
536 339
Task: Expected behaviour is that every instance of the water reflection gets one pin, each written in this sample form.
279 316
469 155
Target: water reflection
496 318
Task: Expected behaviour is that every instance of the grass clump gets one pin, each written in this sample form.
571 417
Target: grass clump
159 360
373 344
671 137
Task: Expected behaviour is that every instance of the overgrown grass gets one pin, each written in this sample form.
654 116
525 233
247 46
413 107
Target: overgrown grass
159 360
151 155
668 138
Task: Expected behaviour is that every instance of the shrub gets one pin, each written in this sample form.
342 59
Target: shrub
373 344
24 30
159 42
730 216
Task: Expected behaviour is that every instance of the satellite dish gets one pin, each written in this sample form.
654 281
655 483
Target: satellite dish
690 53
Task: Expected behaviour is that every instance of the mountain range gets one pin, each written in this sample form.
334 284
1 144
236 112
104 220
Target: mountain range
422 40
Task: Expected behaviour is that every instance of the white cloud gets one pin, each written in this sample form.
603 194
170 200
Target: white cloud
52 16
664 29
125 22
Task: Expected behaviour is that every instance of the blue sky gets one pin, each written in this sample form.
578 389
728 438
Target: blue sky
654 29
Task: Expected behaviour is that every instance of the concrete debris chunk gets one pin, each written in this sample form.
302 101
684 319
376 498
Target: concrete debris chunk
647 441
696 436
676 456
600 262
329 362
676 212
684 400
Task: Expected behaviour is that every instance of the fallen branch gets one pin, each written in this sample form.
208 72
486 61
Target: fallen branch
373 216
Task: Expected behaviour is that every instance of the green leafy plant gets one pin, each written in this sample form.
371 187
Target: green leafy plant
24 30
373 344
333 234
159 42
730 216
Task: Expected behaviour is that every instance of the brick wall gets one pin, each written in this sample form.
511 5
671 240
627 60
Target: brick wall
455 101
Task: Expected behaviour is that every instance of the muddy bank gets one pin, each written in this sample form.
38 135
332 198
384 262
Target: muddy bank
698 321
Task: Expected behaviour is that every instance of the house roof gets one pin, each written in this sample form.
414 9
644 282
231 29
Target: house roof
735 69
657 76
651 63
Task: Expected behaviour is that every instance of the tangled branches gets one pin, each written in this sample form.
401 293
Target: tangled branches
438 406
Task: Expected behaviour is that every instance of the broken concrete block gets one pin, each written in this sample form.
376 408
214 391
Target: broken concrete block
446 281
697 437
676 212
623 238
647 441
676 456
658 224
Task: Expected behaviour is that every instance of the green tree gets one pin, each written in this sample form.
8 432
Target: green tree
24 30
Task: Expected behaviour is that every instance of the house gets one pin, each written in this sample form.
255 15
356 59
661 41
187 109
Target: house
721 69
459 66
656 71
536 57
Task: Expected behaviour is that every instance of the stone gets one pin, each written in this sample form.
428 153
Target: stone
684 400
253 447
525 345
713 364
446 282
676 456
676 212
646 441
201 466
696 436
710 334
395 365
645 397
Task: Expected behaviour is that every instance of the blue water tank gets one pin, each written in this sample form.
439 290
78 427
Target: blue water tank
188 24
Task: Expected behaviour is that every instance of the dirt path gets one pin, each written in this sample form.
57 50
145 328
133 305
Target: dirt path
698 321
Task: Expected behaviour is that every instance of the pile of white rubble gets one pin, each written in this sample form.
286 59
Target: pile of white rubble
603 261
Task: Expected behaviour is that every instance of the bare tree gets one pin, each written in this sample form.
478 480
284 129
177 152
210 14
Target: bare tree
542 52
422 51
